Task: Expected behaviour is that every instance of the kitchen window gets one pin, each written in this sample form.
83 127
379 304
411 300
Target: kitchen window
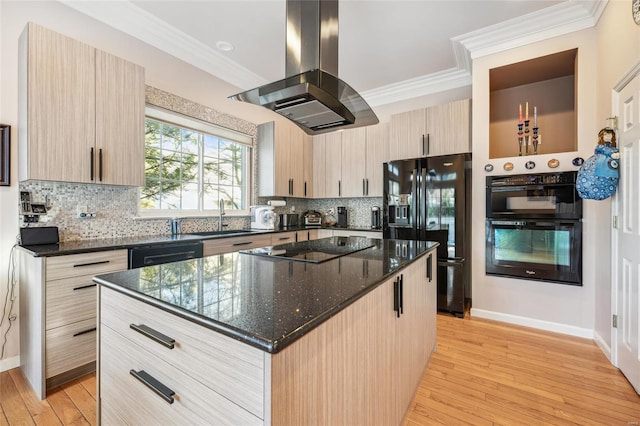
190 165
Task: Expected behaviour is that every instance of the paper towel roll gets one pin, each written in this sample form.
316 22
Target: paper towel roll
277 203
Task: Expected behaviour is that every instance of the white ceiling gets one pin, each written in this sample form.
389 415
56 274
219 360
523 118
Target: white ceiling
388 50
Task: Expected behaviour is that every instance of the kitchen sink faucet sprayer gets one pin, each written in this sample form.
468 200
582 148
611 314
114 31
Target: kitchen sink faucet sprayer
222 213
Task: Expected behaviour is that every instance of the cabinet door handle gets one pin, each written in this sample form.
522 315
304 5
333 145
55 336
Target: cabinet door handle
91 162
305 188
339 188
82 287
102 262
401 294
430 267
284 238
152 383
244 243
367 186
80 333
428 144
364 189
100 164
424 151
396 297
154 335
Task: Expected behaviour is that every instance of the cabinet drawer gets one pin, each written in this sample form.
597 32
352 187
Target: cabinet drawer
74 265
70 300
231 368
283 238
126 400
229 245
70 346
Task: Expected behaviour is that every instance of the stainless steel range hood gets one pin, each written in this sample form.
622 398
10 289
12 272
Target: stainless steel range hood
312 95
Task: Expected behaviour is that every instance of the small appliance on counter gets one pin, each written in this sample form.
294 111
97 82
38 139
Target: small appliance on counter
287 220
376 218
343 221
312 218
262 217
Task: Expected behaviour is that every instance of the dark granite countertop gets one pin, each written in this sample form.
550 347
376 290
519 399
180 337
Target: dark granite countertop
265 302
88 246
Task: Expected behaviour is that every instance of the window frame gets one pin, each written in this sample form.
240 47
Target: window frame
171 117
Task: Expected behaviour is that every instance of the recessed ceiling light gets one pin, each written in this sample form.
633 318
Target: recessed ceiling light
225 46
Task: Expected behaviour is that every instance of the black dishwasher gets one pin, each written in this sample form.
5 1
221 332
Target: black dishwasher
156 254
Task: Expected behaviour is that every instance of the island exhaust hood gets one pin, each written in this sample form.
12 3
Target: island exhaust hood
312 95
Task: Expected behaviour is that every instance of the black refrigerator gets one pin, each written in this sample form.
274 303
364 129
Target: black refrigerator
430 199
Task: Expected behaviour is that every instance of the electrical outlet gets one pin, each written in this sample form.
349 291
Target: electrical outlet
331 212
82 212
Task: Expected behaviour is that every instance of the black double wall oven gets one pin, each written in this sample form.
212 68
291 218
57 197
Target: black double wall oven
534 227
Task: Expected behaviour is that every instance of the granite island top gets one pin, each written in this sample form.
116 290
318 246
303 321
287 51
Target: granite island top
266 302
93 245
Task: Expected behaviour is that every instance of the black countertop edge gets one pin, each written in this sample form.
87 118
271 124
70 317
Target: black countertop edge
88 246
251 339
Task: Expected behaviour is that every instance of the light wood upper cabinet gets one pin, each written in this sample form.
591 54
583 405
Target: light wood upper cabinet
56 106
78 105
437 130
408 135
333 165
449 128
307 154
353 170
377 153
119 120
319 165
280 160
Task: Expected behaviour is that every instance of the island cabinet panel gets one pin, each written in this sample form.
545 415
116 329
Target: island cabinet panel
127 400
227 368
283 238
229 245
363 365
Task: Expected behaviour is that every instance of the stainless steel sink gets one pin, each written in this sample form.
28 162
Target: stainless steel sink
225 232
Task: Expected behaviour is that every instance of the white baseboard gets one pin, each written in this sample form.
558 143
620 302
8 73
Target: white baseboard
9 363
534 323
606 349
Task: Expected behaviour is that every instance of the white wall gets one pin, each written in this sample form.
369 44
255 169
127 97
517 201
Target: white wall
618 49
558 307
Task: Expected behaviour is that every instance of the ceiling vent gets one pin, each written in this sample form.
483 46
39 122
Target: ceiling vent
312 95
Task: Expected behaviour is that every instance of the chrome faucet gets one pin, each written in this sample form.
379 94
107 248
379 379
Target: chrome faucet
176 226
222 213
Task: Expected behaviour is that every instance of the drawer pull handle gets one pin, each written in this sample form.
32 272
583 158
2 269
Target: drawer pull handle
153 384
154 335
82 287
80 265
80 333
284 238
242 244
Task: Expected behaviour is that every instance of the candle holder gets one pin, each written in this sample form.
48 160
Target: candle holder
527 138
535 141
520 139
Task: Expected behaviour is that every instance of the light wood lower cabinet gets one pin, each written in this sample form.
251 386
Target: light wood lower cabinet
360 367
349 233
58 314
229 245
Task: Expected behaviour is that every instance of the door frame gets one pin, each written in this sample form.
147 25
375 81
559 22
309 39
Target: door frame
615 208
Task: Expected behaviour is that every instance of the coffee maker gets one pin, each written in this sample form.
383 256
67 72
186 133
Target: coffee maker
376 218
343 222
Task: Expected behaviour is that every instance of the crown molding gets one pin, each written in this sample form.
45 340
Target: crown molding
136 22
553 21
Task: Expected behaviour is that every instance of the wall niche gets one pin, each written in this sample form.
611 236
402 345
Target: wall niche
547 83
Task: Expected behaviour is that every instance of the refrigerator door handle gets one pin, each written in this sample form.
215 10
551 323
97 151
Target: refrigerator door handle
423 199
415 202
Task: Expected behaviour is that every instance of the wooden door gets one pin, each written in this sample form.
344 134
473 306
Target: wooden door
319 166
120 114
407 135
57 102
354 142
377 154
449 128
333 165
627 260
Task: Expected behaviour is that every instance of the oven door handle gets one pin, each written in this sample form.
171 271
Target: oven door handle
509 222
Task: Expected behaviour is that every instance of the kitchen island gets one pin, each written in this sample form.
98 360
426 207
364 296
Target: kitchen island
253 339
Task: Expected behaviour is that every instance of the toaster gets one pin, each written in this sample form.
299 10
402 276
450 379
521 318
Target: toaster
312 218
262 217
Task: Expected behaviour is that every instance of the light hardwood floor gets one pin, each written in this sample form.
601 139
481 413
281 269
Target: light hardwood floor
484 373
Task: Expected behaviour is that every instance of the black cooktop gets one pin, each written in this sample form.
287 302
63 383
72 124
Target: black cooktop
314 251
